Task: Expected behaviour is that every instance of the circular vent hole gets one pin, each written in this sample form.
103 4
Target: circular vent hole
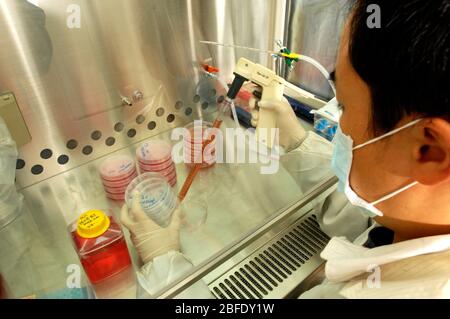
131 133
37 169
20 163
220 99
160 112
87 150
118 127
140 119
46 153
72 144
196 98
188 111
205 105
151 125
63 159
170 118
110 141
178 105
96 135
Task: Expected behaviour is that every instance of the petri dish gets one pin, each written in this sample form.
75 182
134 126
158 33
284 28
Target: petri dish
117 168
154 152
157 198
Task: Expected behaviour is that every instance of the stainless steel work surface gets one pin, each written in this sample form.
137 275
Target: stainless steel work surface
237 196
93 78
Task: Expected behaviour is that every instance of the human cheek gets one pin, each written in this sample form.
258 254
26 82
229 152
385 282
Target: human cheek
358 176
343 124
365 177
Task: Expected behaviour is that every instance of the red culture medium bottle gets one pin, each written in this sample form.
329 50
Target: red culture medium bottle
100 245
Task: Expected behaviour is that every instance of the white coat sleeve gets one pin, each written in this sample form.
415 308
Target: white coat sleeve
165 269
10 199
308 165
326 290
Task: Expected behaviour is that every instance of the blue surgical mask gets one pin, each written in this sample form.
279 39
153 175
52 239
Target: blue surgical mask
341 164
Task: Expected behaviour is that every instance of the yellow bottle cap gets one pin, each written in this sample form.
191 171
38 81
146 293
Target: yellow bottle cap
92 223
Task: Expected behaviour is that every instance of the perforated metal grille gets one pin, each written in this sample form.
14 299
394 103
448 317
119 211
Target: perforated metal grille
102 138
276 268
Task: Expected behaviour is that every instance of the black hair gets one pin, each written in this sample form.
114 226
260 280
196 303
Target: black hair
406 61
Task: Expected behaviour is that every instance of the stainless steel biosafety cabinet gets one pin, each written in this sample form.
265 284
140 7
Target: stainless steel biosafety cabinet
81 80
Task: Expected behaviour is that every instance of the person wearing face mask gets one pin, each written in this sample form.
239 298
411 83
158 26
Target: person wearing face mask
390 217
391 153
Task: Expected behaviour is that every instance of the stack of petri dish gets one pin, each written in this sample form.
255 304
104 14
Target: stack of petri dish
196 134
156 156
157 199
116 173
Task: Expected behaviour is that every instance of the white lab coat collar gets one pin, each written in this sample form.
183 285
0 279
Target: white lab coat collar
346 260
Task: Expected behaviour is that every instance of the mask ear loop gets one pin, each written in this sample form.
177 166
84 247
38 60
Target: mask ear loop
388 134
401 190
382 199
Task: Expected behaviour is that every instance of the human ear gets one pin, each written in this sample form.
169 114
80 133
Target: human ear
432 152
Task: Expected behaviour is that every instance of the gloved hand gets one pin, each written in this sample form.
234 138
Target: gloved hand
292 133
149 238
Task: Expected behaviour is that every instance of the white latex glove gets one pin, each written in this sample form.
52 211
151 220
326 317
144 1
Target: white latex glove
292 133
150 239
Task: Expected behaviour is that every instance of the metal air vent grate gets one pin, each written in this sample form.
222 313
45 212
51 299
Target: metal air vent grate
277 268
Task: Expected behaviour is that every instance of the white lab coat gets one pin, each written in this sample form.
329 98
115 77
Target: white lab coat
347 263
417 268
